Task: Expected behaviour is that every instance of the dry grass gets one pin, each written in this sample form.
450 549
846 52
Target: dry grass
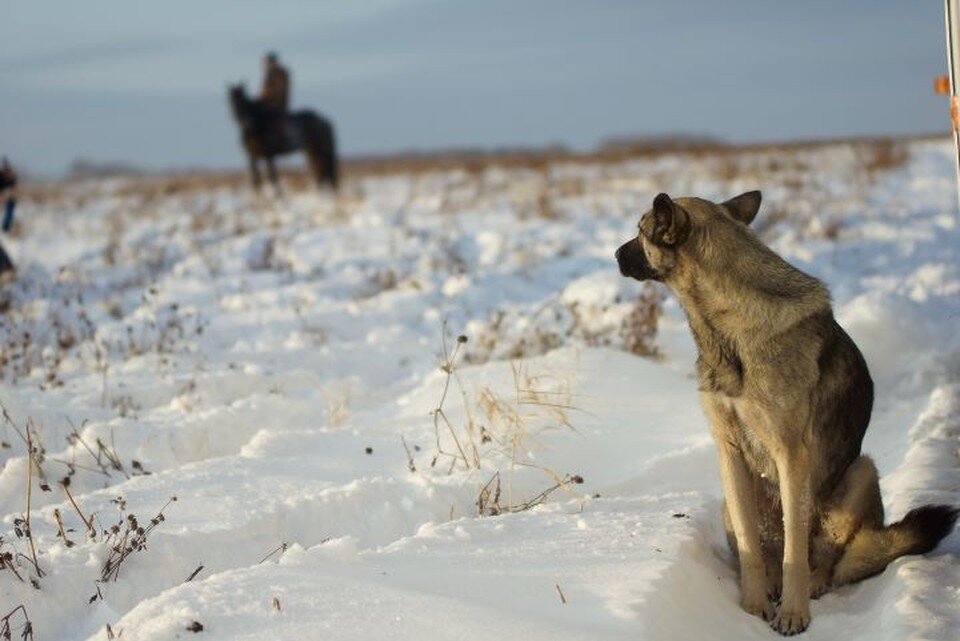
337 399
122 540
22 525
884 155
125 538
280 549
518 334
887 153
440 419
498 430
639 330
45 323
489 500
7 624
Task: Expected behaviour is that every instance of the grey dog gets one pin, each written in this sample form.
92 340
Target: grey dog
788 396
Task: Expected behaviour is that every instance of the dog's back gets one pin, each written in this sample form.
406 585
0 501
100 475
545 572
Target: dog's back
843 401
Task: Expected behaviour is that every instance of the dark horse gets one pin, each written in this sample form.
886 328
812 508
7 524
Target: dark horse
264 135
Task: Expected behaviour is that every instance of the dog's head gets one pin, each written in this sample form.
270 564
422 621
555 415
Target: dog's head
668 233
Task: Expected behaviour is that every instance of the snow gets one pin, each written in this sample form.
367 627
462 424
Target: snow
271 362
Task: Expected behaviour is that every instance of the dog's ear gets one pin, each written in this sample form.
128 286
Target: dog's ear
671 224
744 207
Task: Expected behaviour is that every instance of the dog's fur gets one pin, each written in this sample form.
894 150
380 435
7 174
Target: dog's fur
789 397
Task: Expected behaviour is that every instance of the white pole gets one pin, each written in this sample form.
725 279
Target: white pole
953 63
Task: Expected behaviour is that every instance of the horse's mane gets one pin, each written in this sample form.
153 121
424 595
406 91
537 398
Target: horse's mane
245 107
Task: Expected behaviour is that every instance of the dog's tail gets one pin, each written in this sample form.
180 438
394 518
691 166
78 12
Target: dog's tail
871 550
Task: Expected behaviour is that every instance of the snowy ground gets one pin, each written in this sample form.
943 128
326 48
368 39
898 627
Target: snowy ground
272 363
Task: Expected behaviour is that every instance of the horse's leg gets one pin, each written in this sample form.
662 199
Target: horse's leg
333 170
272 173
254 172
314 146
316 166
324 152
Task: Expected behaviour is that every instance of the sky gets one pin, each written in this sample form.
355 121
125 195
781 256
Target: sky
145 82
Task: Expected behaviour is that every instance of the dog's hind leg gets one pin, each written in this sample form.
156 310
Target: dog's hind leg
872 546
854 504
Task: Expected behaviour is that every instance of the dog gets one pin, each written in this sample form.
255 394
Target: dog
788 397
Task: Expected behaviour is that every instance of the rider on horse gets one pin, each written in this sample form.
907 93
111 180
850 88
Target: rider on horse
275 94
268 130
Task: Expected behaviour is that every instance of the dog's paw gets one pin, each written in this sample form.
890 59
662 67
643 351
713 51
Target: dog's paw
761 607
817 591
789 622
819 584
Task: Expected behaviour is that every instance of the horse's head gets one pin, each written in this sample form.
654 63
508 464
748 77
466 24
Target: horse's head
239 103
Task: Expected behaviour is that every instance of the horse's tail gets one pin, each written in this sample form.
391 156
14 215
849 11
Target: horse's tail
321 148
330 149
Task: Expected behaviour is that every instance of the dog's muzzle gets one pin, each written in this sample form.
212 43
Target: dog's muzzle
633 263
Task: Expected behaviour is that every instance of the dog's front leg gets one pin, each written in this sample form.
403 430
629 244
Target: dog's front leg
739 491
793 469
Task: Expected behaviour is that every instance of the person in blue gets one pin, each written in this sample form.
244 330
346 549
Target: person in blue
8 180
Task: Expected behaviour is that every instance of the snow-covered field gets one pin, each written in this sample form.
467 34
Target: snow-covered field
277 365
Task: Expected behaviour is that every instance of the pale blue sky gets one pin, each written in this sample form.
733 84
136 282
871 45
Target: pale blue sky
145 81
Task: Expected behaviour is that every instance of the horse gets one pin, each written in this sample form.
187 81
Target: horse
266 135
